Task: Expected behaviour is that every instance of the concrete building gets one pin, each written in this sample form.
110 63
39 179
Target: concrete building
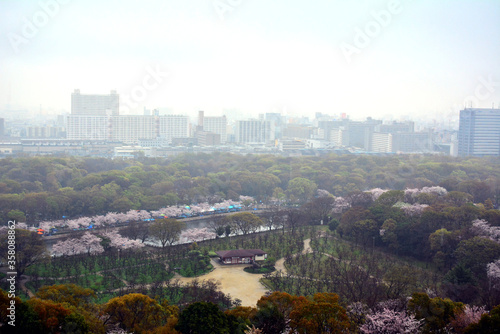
217 125
173 126
479 132
254 131
87 127
206 138
127 129
2 127
96 105
382 142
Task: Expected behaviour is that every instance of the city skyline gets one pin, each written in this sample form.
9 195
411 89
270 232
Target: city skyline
381 58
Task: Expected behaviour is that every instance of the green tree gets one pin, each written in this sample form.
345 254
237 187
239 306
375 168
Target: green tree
245 222
203 318
29 250
436 312
489 323
476 253
301 190
166 230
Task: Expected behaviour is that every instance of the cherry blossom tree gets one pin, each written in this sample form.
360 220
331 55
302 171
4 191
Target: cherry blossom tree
469 315
322 193
119 242
389 321
482 228
68 247
376 192
340 205
196 234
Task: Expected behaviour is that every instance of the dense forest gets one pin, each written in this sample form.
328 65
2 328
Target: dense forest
44 188
397 244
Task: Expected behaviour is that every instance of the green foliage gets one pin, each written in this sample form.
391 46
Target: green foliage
489 323
203 318
436 311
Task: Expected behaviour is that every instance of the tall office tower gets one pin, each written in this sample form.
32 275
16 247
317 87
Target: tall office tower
173 126
254 131
479 132
96 105
216 125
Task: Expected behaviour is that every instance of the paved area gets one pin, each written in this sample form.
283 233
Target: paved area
238 283
234 281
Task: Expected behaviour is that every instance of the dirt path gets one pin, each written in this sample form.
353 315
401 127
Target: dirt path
234 281
280 264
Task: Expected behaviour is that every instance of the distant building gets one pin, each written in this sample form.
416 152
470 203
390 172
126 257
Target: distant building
479 132
254 131
96 105
45 132
217 125
206 138
127 129
402 142
2 127
297 131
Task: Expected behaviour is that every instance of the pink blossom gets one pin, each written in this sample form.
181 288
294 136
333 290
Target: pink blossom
340 205
376 192
389 321
196 234
482 228
117 241
469 315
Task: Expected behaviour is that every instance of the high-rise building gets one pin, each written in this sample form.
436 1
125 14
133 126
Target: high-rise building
96 105
87 127
216 125
129 129
479 132
254 131
173 126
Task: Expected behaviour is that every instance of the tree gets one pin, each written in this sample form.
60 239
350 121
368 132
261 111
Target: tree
436 311
391 322
67 293
322 314
167 230
476 253
56 317
469 315
245 222
135 312
489 323
202 318
29 249
269 320
301 189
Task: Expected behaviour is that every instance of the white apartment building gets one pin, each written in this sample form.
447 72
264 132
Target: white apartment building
87 127
254 131
216 125
127 129
96 105
173 126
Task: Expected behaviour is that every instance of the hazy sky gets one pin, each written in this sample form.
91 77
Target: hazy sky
299 57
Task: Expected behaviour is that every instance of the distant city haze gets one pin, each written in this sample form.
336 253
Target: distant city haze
386 59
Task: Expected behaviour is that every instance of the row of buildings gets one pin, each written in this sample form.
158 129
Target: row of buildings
95 121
